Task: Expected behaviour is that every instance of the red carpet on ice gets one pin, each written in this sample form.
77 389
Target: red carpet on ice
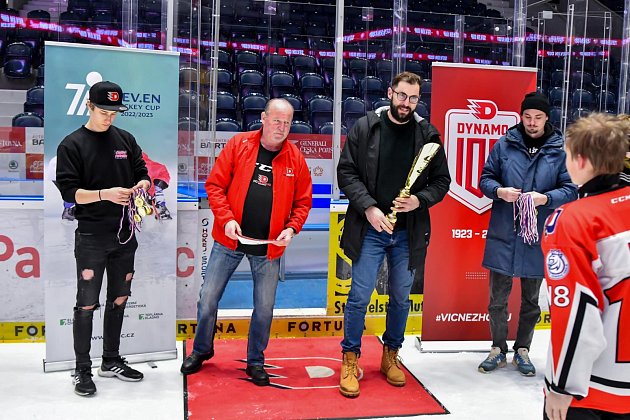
304 374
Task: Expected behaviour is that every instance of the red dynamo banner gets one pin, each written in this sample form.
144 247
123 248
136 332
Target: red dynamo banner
472 106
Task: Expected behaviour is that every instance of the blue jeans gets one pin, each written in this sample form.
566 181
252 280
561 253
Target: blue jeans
221 265
375 247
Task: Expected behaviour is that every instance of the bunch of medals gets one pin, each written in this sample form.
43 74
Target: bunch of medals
139 207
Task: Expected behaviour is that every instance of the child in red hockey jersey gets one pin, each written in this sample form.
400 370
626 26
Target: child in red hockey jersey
587 265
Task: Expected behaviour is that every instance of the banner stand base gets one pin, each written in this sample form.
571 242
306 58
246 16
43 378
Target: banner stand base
131 358
455 346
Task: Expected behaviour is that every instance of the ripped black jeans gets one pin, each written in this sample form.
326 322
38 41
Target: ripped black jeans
94 254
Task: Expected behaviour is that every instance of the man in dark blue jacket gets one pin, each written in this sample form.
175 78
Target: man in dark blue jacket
529 159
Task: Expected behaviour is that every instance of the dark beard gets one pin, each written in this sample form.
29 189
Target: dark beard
394 112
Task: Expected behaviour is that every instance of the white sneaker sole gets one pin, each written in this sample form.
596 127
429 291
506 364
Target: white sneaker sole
84 394
499 366
110 374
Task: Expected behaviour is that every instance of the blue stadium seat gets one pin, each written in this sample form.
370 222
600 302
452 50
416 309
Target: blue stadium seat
415 67
582 80
422 109
40 75
301 127
246 60
190 104
311 84
280 83
296 103
555 96
225 60
425 91
251 81
351 110
358 69
582 98
606 101
276 63
224 79
28 119
226 105
295 43
254 125
555 116
17 68
327 65
557 78
384 69
381 102
39 14
103 20
371 89
327 128
320 110
348 87
35 100
17 50
578 113
227 124
252 106
303 64
187 124
188 78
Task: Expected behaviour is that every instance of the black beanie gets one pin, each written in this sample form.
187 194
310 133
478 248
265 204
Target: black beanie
535 100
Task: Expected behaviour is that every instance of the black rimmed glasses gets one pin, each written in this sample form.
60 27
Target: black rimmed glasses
402 96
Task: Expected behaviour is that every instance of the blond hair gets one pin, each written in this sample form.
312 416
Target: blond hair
600 138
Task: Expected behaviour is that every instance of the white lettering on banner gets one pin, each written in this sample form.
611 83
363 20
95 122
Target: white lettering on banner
465 317
469 137
10 143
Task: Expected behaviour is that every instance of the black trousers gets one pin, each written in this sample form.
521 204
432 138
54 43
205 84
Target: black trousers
500 288
95 254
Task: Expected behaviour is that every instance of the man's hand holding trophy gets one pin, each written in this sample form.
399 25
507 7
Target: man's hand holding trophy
406 202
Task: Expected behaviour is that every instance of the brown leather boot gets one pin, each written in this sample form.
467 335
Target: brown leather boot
351 373
390 366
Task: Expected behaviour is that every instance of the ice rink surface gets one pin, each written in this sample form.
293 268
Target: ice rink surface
26 392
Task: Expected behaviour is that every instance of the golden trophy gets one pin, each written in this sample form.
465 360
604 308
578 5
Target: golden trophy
420 163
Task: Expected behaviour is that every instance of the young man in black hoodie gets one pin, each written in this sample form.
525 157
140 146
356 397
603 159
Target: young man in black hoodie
98 168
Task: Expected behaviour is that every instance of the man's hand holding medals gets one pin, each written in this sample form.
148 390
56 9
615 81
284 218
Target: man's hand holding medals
139 203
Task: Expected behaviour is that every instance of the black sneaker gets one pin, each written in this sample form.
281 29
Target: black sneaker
258 375
119 368
83 384
192 364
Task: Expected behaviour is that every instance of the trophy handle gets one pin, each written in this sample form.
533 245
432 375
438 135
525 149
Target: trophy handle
404 193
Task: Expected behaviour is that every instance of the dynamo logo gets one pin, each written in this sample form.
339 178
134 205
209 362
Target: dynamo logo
470 134
82 93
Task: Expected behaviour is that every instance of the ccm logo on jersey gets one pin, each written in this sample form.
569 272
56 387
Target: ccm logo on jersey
557 264
620 199
552 222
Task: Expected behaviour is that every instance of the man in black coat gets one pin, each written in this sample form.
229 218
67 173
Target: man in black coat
375 162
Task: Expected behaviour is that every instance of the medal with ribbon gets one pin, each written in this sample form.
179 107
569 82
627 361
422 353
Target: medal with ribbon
140 206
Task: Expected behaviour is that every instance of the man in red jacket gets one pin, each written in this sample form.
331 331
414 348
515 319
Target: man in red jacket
260 187
587 266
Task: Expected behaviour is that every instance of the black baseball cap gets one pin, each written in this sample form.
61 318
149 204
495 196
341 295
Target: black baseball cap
107 95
